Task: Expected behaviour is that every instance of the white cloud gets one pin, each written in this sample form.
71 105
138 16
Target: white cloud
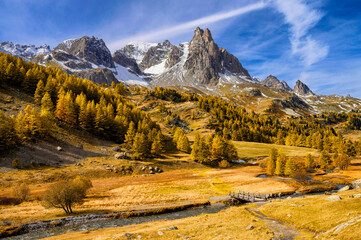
181 28
302 18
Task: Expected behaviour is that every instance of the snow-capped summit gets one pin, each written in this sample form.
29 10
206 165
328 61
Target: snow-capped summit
24 51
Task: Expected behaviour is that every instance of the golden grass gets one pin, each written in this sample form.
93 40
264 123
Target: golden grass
314 213
227 224
253 149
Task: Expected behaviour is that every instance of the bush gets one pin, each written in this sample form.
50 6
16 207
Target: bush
16 163
67 194
224 164
21 191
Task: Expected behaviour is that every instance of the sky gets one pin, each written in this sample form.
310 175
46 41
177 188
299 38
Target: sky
315 41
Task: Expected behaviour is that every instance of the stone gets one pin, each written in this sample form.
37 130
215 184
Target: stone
58 148
345 188
128 235
289 198
289 215
171 228
333 198
160 233
356 183
80 146
356 195
249 227
119 155
117 149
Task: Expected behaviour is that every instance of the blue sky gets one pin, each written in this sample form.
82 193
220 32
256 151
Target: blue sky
318 41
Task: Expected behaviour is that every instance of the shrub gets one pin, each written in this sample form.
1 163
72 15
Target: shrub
67 194
224 164
16 163
21 191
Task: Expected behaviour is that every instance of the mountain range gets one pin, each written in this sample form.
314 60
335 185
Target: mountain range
199 65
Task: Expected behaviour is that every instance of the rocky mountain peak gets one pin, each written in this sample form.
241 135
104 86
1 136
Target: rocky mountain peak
206 60
90 49
273 82
302 89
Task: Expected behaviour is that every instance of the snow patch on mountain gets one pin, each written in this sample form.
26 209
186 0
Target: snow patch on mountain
138 50
123 75
23 51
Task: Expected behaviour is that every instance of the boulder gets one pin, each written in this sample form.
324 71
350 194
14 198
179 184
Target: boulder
128 235
117 149
171 228
345 188
58 148
249 227
120 155
333 198
356 195
356 183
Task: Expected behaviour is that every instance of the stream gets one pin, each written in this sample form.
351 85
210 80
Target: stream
109 223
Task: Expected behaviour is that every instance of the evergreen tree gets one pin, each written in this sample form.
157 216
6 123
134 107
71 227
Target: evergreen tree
140 147
290 167
324 160
130 135
183 143
217 150
39 92
309 162
280 163
158 144
271 162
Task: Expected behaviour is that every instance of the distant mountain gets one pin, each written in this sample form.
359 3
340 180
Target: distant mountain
200 66
273 82
24 51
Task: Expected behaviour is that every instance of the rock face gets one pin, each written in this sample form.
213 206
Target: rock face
174 57
89 49
206 60
272 82
122 59
155 55
302 89
97 75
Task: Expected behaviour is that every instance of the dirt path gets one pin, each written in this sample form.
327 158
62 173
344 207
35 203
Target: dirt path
280 230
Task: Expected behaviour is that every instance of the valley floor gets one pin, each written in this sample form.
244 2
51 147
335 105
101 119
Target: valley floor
183 182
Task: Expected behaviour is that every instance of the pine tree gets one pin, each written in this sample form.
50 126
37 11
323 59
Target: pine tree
158 144
290 167
140 147
217 150
39 92
324 160
130 135
183 143
280 163
271 162
309 162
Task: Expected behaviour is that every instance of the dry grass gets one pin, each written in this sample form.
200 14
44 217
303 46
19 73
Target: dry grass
314 213
208 226
253 150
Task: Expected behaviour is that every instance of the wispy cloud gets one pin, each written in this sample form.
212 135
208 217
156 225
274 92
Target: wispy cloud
181 28
302 18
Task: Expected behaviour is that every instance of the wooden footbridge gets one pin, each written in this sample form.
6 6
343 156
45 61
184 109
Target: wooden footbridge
252 197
